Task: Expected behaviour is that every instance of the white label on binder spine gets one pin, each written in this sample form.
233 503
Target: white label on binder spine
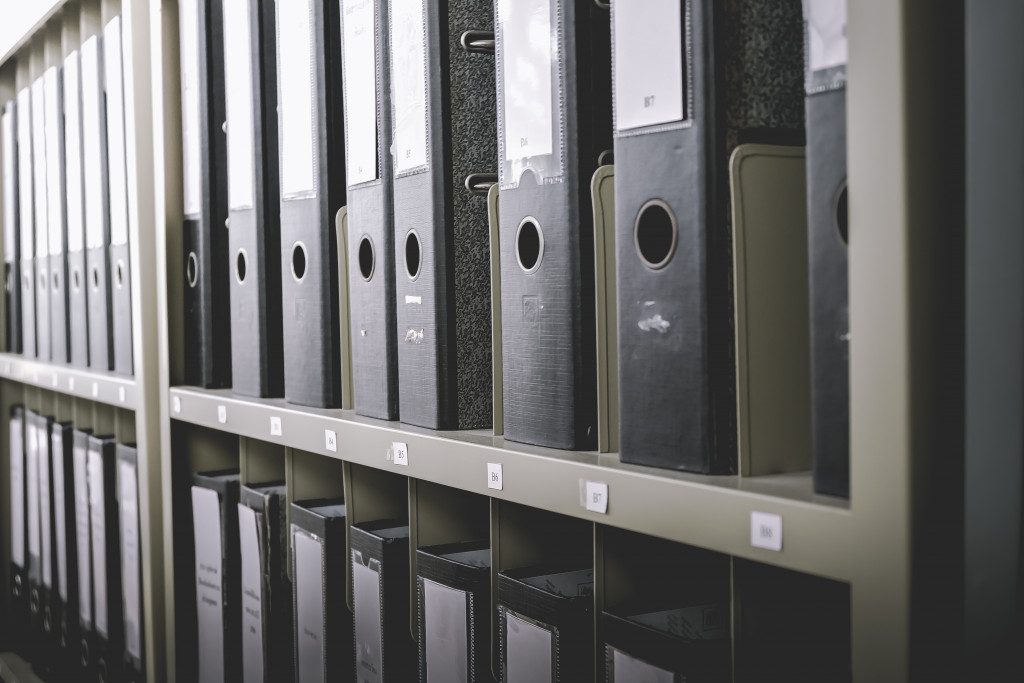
128 487
528 654
79 456
648 63
766 531
366 609
73 153
527 38
826 34
309 606
32 488
206 523
252 593
296 70
59 517
8 146
240 103
626 668
360 90
409 84
17 493
446 633
191 144
92 144
98 519
45 521
54 192
116 154
25 194
39 167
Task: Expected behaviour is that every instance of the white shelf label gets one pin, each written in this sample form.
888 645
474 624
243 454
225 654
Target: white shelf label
596 500
222 414
95 389
56 381
766 531
331 440
121 394
176 404
71 383
7 368
401 453
35 377
275 426
494 475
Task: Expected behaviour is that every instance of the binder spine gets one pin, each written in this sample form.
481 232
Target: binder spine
57 215
18 591
85 649
12 233
26 214
67 622
42 256
76 280
133 660
109 644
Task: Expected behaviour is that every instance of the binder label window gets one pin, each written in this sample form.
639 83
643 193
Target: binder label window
73 155
297 90
191 145
239 104
360 90
409 84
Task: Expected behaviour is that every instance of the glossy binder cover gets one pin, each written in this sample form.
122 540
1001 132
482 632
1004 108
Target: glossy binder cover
445 142
218 590
95 181
254 205
322 622
65 515
46 663
454 612
133 657
371 267
108 619
18 600
385 651
56 212
120 261
267 653
545 621
311 144
12 234
26 220
827 244
554 122
693 80
76 282
42 219
204 189
86 646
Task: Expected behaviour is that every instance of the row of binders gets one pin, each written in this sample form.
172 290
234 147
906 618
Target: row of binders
76 573
342 612
406 112
65 196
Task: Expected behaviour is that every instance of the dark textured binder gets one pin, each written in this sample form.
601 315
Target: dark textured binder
133 660
218 591
445 133
26 221
95 177
371 267
76 281
65 514
267 632
42 220
120 261
108 621
18 592
322 621
56 213
385 651
554 116
723 73
311 144
205 211
253 193
545 622
454 612
46 663
86 646
12 234
827 244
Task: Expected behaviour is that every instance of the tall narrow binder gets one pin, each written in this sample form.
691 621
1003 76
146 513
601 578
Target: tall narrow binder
445 141
554 122
35 542
693 80
134 660
323 623
18 592
46 664
26 217
42 219
76 282
120 261
371 270
253 193
205 211
97 206
108 619
827 241
86 646
12 241
385 650
311 144
267 628
65 513
56 200
218 593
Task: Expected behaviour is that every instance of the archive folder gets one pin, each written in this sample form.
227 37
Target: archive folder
26 213
385 651
218 594
693 80
827 240
86 646
119 259
35 543
18 593
12 235
554 122
254 205
133 658
97 206
204 190
56 200
108 621
322 623
371 268
267 647
445 142
311 144
45 663
42 219
66 541
75 283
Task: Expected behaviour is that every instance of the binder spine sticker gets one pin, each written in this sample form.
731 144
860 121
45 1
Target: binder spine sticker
448 632
116 155
52 121
59 518
529 654
10 215
93 168
367 603
252 569
79 458
624 668
26 198
128 488
45 521
191 134
98 519
531 116
32 468
240 103
409 86
17 464
826 44
73 153
310 617
360 52
299 127
206 524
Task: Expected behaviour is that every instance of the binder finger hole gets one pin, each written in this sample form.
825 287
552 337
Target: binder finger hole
366 258
120 274
240 266
842 216
655 234
412 254
56 281
42 281
529 245
192 269
96 279
298 261
76 279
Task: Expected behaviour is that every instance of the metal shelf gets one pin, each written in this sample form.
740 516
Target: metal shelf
14 669
102 387
708 511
